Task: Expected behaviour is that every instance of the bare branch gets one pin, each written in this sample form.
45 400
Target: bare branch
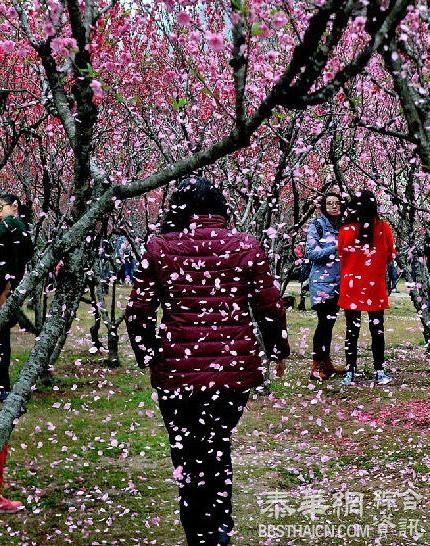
386 132
23 19
239 64
393 17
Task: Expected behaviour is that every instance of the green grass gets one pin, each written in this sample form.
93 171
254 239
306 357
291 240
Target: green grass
91 460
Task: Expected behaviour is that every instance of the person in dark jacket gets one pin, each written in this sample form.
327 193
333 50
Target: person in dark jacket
324 282
209 280
15 250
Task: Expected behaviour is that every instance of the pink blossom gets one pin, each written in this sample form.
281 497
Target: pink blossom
7 46
5 27
235 18
125 58
263 31
170 4
109 65
359 22
48 29
64 47
169 76
177 473
183 19
54 10
195 37
96 86
271 233
272 55
215 41
279 20
123 28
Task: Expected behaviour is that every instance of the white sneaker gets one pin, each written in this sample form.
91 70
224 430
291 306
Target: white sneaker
381 378
349 379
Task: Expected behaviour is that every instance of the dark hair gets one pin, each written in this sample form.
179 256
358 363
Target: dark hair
195 195
363 209
24 211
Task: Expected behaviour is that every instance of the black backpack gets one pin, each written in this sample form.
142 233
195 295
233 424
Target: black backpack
20 249
24 255
305 268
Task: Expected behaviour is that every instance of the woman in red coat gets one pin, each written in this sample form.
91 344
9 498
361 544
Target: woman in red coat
365 247
209 280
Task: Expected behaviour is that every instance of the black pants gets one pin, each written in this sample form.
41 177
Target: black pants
376 327
327 315
4 359
200 431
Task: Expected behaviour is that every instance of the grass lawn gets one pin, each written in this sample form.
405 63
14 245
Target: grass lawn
91 457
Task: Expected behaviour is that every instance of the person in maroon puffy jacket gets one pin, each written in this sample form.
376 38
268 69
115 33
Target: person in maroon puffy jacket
213 284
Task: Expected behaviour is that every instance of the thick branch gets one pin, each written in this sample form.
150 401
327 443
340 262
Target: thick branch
416 117
281 91
62 310
317 63
392 19
85 107
58 93
385 132
239 65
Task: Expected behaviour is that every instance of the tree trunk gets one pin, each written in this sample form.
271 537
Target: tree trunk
95 328
112 359
416 274
61 314
37 305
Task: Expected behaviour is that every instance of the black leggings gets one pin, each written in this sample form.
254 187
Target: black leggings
376 327
327 315
200 431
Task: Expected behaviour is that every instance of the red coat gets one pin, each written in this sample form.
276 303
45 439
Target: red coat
363 284
205 281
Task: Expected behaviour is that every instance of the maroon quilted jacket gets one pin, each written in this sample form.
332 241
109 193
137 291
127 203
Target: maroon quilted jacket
206 281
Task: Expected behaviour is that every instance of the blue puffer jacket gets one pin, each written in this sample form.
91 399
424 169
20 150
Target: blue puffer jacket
324 278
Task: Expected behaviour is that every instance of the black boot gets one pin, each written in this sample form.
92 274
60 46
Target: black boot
223 538
3 395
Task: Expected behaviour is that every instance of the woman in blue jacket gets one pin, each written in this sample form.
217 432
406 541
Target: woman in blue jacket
324 280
